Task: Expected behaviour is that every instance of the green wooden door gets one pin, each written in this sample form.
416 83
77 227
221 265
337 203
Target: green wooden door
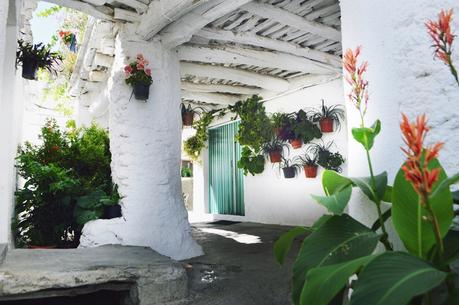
226 184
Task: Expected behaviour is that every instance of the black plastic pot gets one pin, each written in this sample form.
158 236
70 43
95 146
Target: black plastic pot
141 91
29 68
289 172
113 211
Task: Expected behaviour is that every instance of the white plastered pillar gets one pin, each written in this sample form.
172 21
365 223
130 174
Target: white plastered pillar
145 143
403 78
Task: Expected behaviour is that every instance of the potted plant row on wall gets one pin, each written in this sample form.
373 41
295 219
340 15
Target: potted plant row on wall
33 57
328 117
310 164
290 167
139 77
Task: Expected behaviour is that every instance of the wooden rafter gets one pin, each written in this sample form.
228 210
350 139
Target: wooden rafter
100 12
253 39
192 87
212 98
244 77
287 18
250 57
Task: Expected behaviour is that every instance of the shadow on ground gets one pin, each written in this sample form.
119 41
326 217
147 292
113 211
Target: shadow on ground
239 266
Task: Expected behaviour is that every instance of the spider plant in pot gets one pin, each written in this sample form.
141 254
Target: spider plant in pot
280 122
34 57
309 163
274 148
326 158
188 113
139 77
328 116
290 167
303 130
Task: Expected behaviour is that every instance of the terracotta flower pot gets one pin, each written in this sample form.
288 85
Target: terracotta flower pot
289 172
296 143
326 125
310 171
187 118
279 131
275 156
29 68
141 91
112 211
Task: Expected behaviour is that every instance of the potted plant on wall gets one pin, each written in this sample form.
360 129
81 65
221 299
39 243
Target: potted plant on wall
280 122
328 116
310 165
139 77
69 39
290 167
188 113
326 158
274 148
34 57
303 130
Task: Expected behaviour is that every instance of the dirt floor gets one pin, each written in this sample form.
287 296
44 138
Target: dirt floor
239 267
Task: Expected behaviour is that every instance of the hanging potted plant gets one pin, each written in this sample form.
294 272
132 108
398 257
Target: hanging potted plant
273 149
326 158
290 167
34 57
303 130
188 113
310 165
139 77
69 39
327 116
280 123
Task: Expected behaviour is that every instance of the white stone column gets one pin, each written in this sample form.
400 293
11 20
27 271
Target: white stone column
403 77
146 151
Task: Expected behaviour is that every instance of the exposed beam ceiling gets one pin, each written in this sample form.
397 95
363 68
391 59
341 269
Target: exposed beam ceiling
212 98
253 39
250 57
287 18
192 87
184 28
100 12
162 12
244 77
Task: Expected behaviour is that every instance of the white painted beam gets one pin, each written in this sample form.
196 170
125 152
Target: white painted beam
236 75
192 87
100 12
253 39
183 29
160 13
139 6
285 17
211 98
125 15
250 57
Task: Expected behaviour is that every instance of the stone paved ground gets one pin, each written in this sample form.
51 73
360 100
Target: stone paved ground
235 273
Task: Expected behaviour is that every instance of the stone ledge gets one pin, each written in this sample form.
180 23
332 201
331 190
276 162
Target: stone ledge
3 250
156 278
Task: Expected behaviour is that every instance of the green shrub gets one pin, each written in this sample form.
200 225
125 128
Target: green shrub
60 173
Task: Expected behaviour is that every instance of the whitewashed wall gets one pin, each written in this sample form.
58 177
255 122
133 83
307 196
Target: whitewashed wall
269 197
403 77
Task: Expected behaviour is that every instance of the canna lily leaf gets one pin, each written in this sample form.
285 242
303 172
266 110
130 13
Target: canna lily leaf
337 202
283 245
366 136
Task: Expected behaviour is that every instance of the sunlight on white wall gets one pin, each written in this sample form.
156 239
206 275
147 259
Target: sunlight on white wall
240 238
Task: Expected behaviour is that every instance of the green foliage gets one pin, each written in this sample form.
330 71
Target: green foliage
334 112
395 278
375 192
304 128
280 120
250 162
195 144
284 243
408 215
327 159
61 171
337 202
255 128
339 239
186 172
366 136
49 11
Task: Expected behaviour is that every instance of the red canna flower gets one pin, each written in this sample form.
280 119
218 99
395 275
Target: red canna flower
418 157
443 38
355 78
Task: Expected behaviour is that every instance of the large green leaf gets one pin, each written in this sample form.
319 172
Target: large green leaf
453 299
366 136
283 245
337 202
395 278
333 182
451 242
339 239
324 283
408 215
376 193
